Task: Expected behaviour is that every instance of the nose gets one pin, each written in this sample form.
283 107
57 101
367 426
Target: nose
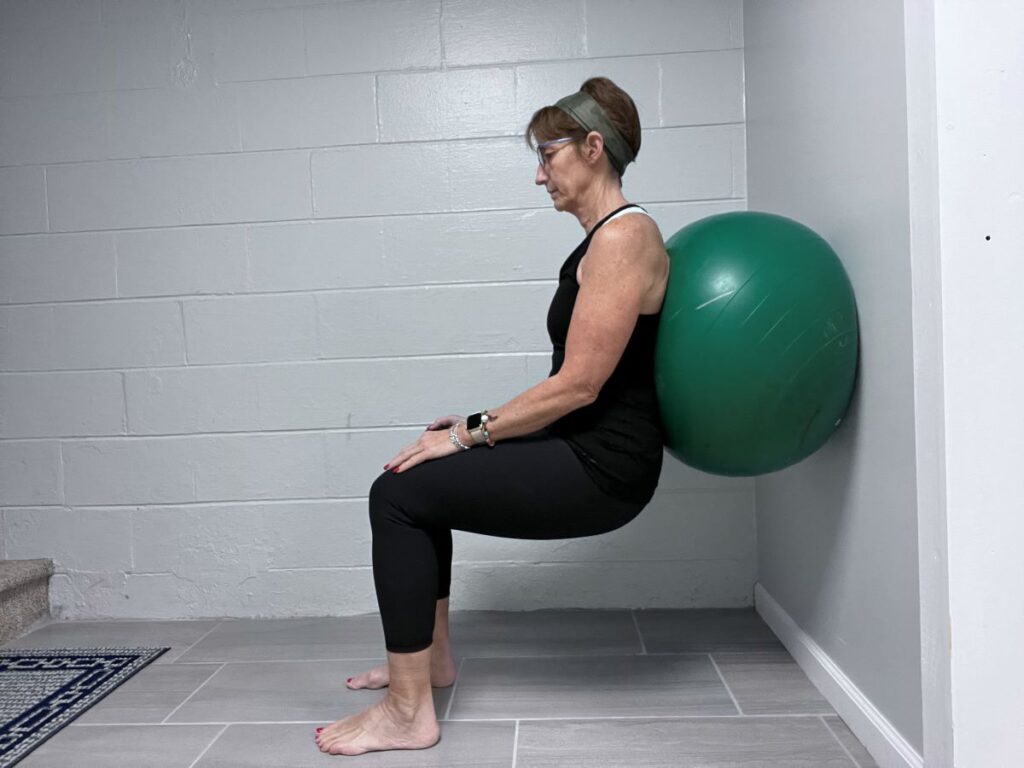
541 177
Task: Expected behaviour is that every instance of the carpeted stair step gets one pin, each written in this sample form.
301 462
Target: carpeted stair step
24 594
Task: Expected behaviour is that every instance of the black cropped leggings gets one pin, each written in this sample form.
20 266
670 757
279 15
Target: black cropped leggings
529 487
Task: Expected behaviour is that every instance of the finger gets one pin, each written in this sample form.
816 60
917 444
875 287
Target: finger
390 466
422 454
403 455
421 451
406 466
396 460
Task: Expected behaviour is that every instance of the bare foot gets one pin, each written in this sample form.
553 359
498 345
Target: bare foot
442 675
380 727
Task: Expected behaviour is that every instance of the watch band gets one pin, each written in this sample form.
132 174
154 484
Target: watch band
479 433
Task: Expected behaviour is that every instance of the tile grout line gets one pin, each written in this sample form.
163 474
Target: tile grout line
197 642
200 755
276 661
727 688
451 699
636 624
591 655
669 718
188 698
515 745
346 659
623 717
839 741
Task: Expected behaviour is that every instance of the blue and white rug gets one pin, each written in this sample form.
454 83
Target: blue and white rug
43 690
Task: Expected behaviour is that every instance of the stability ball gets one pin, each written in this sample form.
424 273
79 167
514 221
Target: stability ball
756 353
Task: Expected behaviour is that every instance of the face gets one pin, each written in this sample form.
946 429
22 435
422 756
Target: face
559 171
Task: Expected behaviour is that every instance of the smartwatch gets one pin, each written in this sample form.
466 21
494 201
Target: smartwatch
476 426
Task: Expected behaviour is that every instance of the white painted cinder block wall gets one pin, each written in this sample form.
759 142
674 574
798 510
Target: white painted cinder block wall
248 250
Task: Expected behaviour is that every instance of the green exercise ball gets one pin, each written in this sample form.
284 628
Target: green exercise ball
756 353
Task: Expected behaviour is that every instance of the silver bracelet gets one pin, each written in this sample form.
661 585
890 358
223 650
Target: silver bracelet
454 436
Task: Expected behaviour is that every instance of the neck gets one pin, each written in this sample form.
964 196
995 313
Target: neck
603 197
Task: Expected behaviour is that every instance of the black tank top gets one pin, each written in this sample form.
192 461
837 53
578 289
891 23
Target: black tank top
618 437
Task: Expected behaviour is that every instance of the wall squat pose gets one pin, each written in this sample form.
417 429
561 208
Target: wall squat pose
578 454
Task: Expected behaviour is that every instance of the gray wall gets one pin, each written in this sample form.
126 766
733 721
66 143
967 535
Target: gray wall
249 249
827 144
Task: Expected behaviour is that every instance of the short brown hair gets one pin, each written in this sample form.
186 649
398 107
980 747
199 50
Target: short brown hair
551 122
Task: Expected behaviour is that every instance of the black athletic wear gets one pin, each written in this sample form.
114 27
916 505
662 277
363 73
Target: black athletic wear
554 483
527 487
619 436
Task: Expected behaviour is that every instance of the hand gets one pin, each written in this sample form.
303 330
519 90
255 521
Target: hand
445 421
430 445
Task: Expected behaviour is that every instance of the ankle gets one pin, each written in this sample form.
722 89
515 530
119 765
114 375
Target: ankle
410 708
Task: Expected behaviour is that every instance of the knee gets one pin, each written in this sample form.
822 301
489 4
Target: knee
383 494
380 485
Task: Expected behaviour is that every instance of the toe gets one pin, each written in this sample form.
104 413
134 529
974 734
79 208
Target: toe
344 749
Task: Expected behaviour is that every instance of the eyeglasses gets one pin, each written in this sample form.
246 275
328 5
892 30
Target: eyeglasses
543 158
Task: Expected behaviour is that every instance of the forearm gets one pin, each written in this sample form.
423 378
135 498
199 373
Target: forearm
534 409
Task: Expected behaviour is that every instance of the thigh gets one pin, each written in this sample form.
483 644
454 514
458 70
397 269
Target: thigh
527 488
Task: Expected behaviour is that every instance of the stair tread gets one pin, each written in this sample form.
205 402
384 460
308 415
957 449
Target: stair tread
14 573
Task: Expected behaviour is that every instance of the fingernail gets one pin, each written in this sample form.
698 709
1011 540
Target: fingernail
318 730
395 469
349 680
387 466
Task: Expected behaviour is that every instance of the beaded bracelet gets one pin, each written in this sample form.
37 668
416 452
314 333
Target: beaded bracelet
454 437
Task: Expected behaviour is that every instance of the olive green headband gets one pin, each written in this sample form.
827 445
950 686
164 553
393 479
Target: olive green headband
582 108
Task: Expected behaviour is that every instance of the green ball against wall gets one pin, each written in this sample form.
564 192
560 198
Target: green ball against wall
756 354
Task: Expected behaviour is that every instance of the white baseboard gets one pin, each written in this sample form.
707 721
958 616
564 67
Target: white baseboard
875 732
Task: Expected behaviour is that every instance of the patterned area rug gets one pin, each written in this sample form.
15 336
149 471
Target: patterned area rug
43 690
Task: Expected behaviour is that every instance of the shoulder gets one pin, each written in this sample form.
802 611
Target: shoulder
631 239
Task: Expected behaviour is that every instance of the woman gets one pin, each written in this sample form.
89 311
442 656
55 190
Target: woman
578 454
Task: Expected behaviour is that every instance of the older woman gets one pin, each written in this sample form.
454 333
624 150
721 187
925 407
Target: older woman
578 454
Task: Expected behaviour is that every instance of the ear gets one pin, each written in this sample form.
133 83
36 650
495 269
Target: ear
593 144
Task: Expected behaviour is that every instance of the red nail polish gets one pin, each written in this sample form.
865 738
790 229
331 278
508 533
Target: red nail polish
387 466
318 730
349 680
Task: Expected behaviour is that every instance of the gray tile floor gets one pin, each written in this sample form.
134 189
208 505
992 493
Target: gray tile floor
588 688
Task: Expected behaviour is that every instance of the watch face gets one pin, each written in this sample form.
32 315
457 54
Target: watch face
473 421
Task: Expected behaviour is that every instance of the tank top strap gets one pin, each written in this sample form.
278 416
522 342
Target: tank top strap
631 208
627 208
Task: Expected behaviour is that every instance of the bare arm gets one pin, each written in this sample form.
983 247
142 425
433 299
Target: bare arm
622 264
533 409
